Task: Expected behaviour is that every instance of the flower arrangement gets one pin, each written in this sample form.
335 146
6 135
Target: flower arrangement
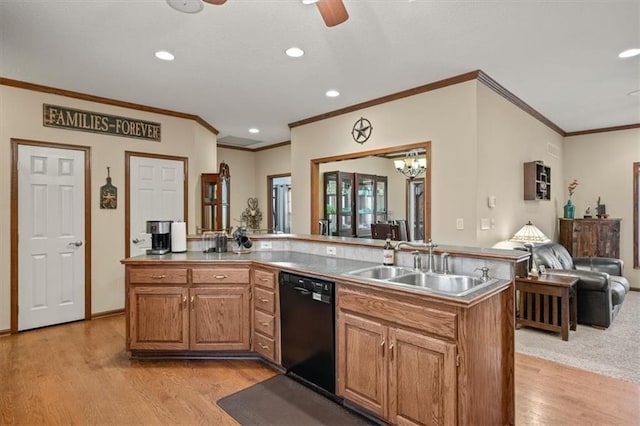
572 187
569 208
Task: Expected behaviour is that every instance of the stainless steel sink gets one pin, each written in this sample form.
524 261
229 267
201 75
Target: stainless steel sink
455 285
449 284
381 272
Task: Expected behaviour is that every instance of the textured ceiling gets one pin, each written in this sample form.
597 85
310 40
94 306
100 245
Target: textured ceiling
560 56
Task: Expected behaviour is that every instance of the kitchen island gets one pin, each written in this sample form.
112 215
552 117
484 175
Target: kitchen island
403 354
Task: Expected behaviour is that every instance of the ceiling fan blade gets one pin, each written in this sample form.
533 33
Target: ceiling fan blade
216 2
333 12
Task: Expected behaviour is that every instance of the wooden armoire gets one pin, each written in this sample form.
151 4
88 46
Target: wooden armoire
591 237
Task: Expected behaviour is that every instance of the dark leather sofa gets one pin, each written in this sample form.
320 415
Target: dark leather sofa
601 286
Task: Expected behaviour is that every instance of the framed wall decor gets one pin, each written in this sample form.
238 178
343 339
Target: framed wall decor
108 194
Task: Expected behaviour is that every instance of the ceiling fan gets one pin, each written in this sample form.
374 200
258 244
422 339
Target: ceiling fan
333 11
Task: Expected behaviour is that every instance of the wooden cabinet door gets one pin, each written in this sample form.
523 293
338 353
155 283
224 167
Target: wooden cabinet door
609 238
361 355
585 241
159 318
422 379
220 318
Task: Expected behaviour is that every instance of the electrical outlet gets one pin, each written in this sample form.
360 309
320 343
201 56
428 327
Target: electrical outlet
331 250
265 245
459 224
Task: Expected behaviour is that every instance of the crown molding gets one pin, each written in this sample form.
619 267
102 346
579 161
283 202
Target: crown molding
388 98
107 101
502 91
604 129
262 148
479 75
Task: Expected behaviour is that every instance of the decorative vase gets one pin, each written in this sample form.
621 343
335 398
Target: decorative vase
569 210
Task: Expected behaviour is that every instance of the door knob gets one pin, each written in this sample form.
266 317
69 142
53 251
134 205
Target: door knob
76 243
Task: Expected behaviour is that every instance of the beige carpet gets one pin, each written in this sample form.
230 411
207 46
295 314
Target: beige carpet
614 352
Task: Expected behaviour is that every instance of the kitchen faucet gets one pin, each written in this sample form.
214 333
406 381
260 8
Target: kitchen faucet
430 245
430 259
445 263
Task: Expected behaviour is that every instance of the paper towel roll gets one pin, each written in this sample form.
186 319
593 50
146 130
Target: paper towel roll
178 237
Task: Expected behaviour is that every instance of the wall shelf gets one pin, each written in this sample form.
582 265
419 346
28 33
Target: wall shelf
537 181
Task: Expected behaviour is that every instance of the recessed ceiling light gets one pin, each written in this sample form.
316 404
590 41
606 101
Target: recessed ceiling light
186 6
309 1
254 130
634 93
629 53
164 55
332 93
294 52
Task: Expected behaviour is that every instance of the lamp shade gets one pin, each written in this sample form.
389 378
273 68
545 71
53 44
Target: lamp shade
529 233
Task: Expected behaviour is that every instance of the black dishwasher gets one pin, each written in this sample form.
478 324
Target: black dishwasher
307 329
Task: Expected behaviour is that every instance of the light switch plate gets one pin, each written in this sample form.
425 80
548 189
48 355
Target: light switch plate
484 223
459 224
331 250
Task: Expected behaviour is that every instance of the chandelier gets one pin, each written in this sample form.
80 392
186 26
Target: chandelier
412 166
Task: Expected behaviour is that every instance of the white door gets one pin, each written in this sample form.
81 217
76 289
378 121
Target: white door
51 232
156 193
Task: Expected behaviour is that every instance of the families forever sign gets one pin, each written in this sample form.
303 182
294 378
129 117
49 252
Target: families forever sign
87 121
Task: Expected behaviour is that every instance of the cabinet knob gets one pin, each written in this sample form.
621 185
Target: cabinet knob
158 277
263 346
264 324
264 300
220 277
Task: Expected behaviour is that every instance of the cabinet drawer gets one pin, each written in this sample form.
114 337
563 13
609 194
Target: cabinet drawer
265 346
264 300
431 320
158 275
264 323
220 275
265 279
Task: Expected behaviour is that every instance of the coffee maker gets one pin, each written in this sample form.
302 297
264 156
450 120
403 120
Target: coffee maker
160 231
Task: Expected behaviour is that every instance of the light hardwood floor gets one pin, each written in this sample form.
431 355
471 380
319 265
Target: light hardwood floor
79 373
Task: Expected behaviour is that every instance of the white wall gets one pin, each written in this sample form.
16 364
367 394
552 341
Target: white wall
507 138
243 172
446 117
21 118
479 144
270 162
249 171
603 165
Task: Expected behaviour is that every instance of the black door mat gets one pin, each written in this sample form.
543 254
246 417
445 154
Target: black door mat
281 401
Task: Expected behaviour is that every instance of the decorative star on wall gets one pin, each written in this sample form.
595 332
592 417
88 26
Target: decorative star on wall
361 131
